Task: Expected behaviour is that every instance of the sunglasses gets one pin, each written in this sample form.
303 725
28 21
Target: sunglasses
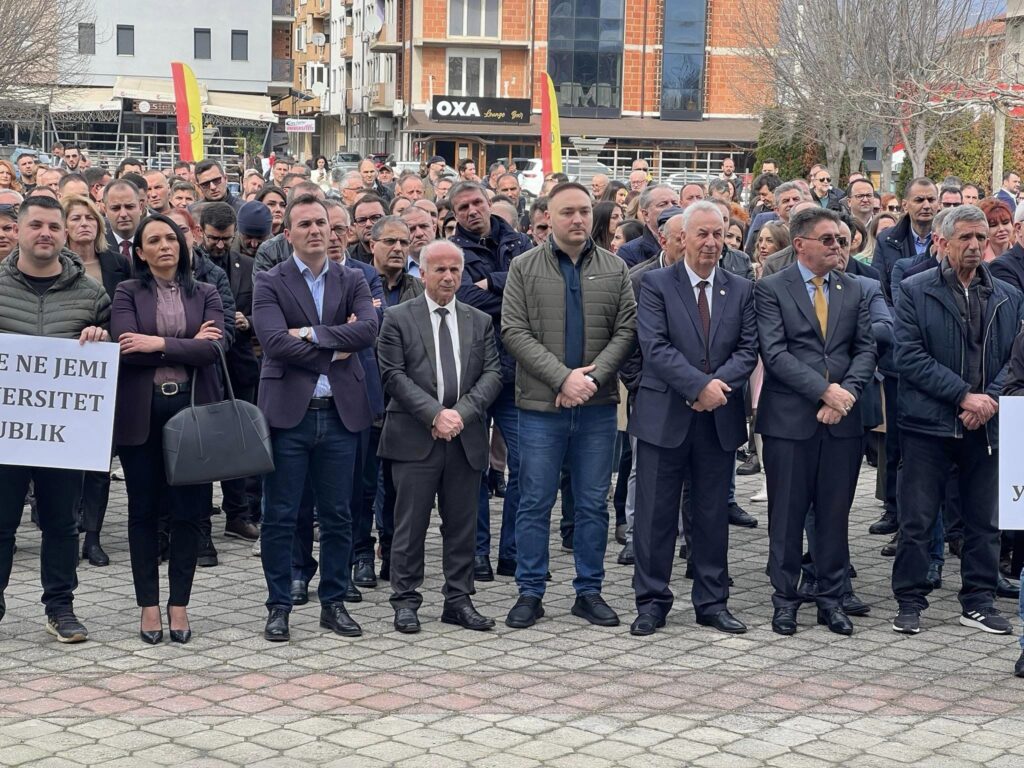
212 182
824 179
829 240
892 208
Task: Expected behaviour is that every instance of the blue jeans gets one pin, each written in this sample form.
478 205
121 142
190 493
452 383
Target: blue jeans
506 417
583 436
321 446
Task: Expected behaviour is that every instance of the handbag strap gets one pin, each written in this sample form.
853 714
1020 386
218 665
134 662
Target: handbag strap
225 377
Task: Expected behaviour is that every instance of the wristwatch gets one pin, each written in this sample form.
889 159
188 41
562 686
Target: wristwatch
592 380
305 333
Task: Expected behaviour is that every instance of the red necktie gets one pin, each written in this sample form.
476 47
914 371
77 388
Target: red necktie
126 249
705 320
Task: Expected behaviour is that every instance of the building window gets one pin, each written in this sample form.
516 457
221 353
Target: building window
585 49
202 43
682 90
86 39
473 73
473 18
239 45
125 40
300 37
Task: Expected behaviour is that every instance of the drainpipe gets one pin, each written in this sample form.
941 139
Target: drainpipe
643 64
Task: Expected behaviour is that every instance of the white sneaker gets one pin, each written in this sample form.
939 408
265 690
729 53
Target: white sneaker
761 495
257 550
988 620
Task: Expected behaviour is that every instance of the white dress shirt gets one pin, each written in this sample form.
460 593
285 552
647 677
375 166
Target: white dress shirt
695 280
453 328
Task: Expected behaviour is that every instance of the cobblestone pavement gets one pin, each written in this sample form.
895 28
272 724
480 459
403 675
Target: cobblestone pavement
561 694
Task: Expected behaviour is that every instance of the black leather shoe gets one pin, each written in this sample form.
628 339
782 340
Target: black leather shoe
154 637
406 621
363 575
738 516
241 528
749 467
525 612
178 635
627 556
207 556
482 568
688 573
466 616
683 552
620 534
784 621
723 621
645 624
334 617
95 555
935 576
885 525
889 550
1018 668
352 594
506 567
853 605
956 546
1006 588
807 589
276 630
300 592
592 607
835 620
496 483
385 571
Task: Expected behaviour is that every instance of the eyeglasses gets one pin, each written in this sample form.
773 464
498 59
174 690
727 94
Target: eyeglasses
217 238
823 179
212 182
829 240
369 219
865 196
892 208
340 231
390 241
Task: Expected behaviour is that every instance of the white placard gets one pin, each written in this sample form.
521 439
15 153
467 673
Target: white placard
57 402
299 125
1011 463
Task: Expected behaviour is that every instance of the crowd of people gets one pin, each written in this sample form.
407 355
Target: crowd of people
427 342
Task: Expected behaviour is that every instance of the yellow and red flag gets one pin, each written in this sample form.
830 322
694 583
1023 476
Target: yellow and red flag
550 130
189 110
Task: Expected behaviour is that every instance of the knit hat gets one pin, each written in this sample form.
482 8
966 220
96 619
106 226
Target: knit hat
254 219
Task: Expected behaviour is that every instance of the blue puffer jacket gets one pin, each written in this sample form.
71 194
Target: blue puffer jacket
489 257
931 347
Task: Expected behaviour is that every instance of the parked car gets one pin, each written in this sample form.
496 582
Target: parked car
682 178
531 174
402 166
346 158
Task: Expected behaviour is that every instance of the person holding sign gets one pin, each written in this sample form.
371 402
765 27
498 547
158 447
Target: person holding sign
167 325
45 292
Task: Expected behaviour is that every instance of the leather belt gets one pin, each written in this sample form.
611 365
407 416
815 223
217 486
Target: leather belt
321 403
172 388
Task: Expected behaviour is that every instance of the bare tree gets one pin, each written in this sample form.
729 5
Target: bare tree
39 45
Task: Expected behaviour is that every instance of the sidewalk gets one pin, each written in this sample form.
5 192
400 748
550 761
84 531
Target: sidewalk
562 693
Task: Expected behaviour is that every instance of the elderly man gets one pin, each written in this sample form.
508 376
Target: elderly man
410 186
653 200
955 328
598 184
822 191
689 418
421 232
389 243
435 433
637 181
819 353
786 195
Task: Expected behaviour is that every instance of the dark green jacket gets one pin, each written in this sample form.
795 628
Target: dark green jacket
73 303
533 324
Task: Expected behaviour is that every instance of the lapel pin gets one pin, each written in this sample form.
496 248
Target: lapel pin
722 291
839 286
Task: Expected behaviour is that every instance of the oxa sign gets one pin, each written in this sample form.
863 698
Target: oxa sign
467 109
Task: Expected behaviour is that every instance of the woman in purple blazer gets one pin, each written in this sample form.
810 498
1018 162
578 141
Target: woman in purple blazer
167 325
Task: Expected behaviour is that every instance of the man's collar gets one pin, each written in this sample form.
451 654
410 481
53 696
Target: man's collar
432 305
807 275
696 279
304 269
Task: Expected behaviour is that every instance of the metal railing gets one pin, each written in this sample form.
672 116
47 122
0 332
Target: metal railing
282 8
673 165
158 151
282 70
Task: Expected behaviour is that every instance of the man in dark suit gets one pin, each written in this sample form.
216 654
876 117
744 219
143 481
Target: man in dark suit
310 316
435 432
698 332
814 328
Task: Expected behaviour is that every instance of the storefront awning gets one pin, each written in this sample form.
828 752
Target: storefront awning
721 130
150 89
242 107
219 107
93 101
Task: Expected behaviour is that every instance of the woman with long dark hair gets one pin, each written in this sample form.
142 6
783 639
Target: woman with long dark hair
630 229
321 174
607 217
166 324
276 199
615 192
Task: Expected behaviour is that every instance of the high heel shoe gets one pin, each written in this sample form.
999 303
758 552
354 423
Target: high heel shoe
178 635
151 636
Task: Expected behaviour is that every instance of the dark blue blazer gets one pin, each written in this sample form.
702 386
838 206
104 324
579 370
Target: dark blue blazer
281 300
368 357
799 364
672 339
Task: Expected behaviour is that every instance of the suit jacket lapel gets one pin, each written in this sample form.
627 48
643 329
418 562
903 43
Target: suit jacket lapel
332 293
685 291
836 294
296 285
721 296
424 325
465 341
798 290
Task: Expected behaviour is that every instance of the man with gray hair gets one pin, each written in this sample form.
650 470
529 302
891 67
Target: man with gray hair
435 433
955 328
786 195
653 200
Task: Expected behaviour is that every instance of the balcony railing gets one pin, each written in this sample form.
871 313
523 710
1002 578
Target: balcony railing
321 9
386 39
283 8
382 97
282 71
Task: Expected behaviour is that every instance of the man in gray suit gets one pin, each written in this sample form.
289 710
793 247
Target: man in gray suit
439 365
819 353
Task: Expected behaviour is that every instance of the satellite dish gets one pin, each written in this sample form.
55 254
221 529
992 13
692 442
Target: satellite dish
318 89
319 39
373 24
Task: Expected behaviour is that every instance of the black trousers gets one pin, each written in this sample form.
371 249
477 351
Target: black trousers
447 473
148 491
241 497
57 492
92 505
661 472
821 471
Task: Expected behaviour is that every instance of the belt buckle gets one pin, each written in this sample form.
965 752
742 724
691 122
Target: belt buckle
169 388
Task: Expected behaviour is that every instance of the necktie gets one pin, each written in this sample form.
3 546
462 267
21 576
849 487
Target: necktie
126 249
820 305
705 320
447 352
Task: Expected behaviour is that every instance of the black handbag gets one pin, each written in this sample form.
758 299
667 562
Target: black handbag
217 441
